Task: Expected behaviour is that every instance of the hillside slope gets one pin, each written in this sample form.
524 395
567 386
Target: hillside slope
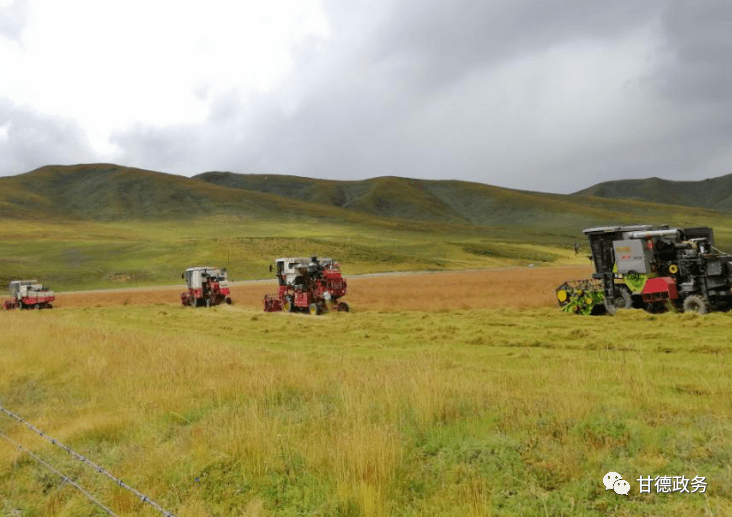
111 192
457 202
713 193
104 192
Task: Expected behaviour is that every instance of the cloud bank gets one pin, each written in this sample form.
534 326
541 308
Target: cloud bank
551 96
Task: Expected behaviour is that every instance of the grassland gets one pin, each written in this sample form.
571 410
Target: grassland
77 255
406 406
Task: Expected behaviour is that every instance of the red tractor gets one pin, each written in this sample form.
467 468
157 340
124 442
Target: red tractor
29 294
207 286
313 285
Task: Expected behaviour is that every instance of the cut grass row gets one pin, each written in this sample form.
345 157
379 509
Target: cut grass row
469 412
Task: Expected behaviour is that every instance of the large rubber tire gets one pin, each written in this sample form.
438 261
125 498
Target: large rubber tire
623 299
208 302
343 307
696 303
314 309
289 304
194 302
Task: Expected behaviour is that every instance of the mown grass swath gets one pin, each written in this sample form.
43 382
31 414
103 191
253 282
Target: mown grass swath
466 412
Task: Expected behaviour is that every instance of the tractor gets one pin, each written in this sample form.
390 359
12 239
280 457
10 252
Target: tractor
307 285
207 286
653 268
29 294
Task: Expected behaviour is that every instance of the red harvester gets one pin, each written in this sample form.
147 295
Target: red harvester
207 286
313 285
29 294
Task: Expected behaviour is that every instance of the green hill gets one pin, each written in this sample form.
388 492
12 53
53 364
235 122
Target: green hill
714 193
104 192
460 202
102 225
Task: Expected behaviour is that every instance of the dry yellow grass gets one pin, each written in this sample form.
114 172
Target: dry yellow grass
513 288
469 412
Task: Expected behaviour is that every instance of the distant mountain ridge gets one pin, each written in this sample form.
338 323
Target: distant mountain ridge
713 193
113 192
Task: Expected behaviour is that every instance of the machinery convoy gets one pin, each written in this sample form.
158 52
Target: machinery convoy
207 286
652 268
307 284
29 294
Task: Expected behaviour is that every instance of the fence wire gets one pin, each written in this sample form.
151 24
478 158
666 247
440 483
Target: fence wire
142 497
61 475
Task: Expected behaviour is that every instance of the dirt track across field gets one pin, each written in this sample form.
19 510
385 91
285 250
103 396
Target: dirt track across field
510 287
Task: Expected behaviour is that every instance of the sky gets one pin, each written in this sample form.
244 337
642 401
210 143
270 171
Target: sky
542 95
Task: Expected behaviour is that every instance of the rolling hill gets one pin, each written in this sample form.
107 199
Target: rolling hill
713 193
457 202
102 225
106 192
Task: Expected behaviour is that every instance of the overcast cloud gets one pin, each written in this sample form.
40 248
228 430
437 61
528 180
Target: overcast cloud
552 96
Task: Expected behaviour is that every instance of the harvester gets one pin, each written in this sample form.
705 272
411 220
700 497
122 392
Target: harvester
307 285
207 286
29 294
652 268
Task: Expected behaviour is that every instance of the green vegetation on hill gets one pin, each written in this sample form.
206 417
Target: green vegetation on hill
103 225
714 193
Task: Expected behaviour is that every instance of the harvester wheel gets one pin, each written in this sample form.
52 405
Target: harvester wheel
343 307
623 300
49 306
228 300
314 309
208 302
194 302
37 306
288 305
696 303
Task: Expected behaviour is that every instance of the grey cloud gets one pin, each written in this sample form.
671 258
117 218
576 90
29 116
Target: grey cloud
698 65
13 19
446 39
31 140
426 89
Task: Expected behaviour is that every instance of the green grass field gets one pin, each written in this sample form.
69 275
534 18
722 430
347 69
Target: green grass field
86 255
495 412
384 411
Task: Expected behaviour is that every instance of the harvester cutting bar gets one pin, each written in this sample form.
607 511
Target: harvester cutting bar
581 296
272 302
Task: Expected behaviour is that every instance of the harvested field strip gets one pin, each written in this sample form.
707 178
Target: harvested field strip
514 288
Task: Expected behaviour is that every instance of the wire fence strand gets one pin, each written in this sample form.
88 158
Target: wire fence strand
66 478
142 497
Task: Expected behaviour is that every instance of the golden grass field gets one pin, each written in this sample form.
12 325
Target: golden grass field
487 289
450 394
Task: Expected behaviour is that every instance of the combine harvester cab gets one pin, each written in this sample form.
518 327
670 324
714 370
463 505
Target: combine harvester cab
207 286
653 268
307 284
29 294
